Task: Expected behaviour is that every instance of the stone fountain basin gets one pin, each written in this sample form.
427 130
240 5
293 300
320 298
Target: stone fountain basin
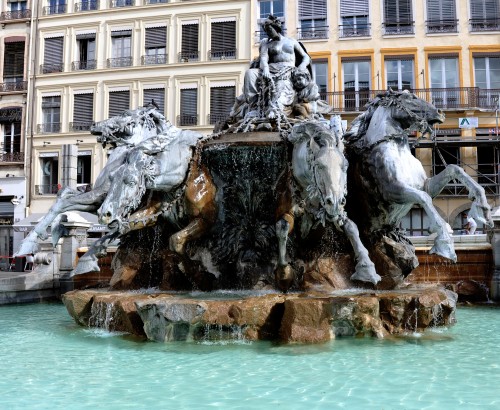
292 318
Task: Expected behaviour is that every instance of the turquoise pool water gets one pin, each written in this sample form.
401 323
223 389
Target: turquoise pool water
48 362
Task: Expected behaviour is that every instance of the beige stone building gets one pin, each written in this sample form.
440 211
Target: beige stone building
90 59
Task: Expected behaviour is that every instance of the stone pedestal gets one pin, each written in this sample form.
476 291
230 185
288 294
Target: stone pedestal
495 244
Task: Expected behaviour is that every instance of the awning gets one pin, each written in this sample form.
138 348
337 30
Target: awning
27 224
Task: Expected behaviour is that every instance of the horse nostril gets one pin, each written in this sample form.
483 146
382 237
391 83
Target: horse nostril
329 201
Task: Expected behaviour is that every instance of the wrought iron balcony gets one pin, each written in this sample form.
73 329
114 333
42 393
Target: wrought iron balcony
442 26
11 156
154 59
121 3
489 99
15 15
84 65
156 1
487 24
215 118
187 56
313 33
396 28
88 5
47 189
119 62
222 54
80 125
57 9
51 68
13 86
51 127
187 119
359 30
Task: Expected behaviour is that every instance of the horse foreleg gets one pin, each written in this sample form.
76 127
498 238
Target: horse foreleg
89 261
195 229
480 208
365 268
284 273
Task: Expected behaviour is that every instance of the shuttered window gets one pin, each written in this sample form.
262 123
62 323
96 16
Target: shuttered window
354 8
83 112
221 102
156 37
156 94
14 61
439 10
354 15
189 107
119 101
223 40
51 112
312 9
53 55
189 43
484 9
398 11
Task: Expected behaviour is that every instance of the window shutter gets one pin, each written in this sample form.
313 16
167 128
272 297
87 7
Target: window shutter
484 9
350 8
189 102
224 36
441 10
190 38
221 102
53 50
398 11
83 108
14 59
119 101
121 33
312 9
157 94
156 37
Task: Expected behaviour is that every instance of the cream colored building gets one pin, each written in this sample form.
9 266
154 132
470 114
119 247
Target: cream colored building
90 59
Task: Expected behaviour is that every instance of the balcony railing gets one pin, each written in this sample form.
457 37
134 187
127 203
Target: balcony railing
51 68
80 125
13 86
119 62
11 156
215 118
57 9
156 1
187 56
442 26
313 33
487 24
360 30
121 3
226 54
261 35
84 65
397 28
47 189
15 15
87 5
459 98
187 119
51 127
154 59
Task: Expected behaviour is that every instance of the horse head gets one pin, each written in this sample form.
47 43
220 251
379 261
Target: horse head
320 168
130 127
128 185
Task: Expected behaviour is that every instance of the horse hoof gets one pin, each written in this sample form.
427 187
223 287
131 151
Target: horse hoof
176 245
27 247
366 273
85 265
444 248
285 276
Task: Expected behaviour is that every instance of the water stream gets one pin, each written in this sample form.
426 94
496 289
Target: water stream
48 362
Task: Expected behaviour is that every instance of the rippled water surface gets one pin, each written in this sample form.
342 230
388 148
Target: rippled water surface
48 362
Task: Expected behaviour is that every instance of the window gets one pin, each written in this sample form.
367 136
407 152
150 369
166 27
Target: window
487 77
484 15
354 15
274 7
86 52
223 45
83 112
49 175
416 222
444 77
17 5
221 103
51 114
441 16
11 139
121 41
53 55
119 101
189 43
320 74
156 94
13 64
356 83
55 7
312 19
83 170
155 45
399 73
398 17
189 107
87 5
122 3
